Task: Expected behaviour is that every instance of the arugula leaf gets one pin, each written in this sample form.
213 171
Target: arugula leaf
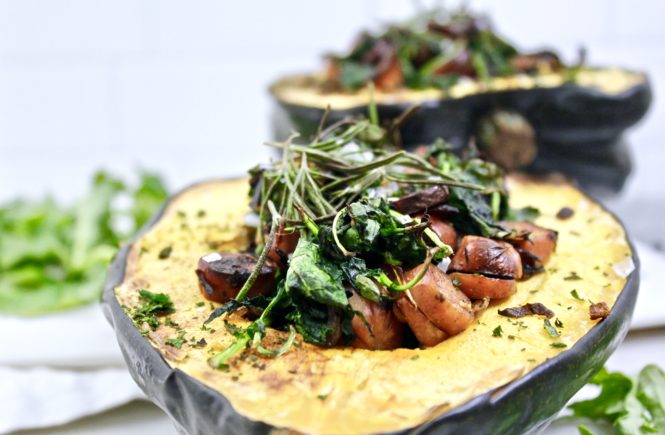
651 394
148 197
53 257
632 406
354 75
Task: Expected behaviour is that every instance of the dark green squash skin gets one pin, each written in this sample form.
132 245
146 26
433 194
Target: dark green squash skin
572 122
525 406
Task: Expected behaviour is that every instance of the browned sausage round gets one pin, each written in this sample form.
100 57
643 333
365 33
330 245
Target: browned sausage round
443 304
284 245
222 275
477 286
391 77
380 329
444 230
488 257
536 243
425 331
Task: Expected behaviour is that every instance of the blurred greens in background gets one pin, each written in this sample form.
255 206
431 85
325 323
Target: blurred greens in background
54 257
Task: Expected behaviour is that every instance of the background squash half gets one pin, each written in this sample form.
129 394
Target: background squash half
567 125
472 383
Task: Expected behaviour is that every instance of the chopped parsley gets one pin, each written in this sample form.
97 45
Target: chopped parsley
177 342
165 252
201 343
497 332
576 295
573 276
551 330
169 322
154 304
558 344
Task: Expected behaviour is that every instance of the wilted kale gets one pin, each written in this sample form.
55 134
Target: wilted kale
308 277
479 211
370 231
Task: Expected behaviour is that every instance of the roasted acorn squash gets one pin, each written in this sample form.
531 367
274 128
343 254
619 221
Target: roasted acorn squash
475 382
574 121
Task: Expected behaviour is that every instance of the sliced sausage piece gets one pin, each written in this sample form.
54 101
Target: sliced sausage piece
477 286
222 275
427 334
421 200
534 243
444 305
380 329
391 77
488 257
444 230
284 245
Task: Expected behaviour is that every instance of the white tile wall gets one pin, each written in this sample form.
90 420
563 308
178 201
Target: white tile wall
180 86
66 27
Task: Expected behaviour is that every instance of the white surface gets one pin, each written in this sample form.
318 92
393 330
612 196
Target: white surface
59 368
649 310
80 338
42 397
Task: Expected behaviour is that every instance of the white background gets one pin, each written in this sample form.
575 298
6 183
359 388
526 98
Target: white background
180 86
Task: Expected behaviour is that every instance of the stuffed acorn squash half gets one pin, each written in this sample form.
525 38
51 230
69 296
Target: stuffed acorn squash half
352 287
523 110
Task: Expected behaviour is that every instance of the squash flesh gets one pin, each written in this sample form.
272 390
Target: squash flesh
306 90
316 390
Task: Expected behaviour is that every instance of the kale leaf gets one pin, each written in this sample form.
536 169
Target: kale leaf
313 279
370 231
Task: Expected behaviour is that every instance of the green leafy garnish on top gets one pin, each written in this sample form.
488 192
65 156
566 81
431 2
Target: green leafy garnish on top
338 195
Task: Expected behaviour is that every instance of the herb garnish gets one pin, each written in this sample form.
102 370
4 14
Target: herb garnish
576 295
165 252
558 344
178 341
573 276
154 305
497 332
551 330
